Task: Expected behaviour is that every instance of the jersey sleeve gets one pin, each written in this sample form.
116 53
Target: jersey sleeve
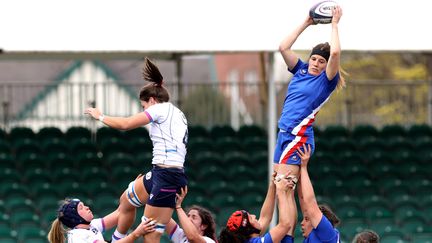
154 112
178 235
98 224
262 239
325 231
297 67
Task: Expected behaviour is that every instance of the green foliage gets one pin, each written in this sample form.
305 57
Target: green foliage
385 66
385 88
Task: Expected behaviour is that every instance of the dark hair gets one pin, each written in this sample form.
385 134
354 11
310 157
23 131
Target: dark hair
155 89
227 236
367 236
322 49
206 219
332 217
238 228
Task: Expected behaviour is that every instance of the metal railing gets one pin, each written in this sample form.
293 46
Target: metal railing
378 103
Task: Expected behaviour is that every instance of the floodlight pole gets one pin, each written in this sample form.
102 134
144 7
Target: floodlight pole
271 123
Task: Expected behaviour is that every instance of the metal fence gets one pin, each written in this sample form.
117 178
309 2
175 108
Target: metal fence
39 105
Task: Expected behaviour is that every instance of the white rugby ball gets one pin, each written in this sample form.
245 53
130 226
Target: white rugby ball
321 13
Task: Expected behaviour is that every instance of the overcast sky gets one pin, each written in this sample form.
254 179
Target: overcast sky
167 25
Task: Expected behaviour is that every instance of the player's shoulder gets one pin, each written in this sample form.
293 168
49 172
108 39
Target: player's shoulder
208 240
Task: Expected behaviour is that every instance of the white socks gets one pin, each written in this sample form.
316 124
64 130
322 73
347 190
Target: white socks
117 236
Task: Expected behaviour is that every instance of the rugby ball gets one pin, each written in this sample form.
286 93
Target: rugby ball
321 13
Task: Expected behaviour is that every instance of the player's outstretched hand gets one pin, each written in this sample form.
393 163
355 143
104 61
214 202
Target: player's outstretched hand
337 14
304 154
93 112
145 227
180 197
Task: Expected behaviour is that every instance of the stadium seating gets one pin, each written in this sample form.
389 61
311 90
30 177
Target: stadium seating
108 133
54 146
20 133
250 131
197 131
48 133
361 132
3 134
5 147
394 237
335 132
393 131
74 133
222 131
372 178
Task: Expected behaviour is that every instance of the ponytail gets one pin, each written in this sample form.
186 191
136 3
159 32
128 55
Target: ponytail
152 74
341 82
57 232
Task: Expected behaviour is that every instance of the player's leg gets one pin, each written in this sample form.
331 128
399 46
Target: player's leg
166 183
133 197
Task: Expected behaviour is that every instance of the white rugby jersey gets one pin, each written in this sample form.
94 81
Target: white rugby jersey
90 235
178 236
169 134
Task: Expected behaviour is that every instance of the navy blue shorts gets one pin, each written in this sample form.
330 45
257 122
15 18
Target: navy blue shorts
162 184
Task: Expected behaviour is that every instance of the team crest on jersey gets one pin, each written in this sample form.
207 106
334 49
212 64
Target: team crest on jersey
303 71
294 157
148 175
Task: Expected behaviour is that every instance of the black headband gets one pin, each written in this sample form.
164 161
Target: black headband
318 51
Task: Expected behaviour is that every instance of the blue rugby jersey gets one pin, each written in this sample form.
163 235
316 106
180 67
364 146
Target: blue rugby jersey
305 96
324 232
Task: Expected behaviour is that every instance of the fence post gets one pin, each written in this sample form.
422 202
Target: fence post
429 80
5 105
